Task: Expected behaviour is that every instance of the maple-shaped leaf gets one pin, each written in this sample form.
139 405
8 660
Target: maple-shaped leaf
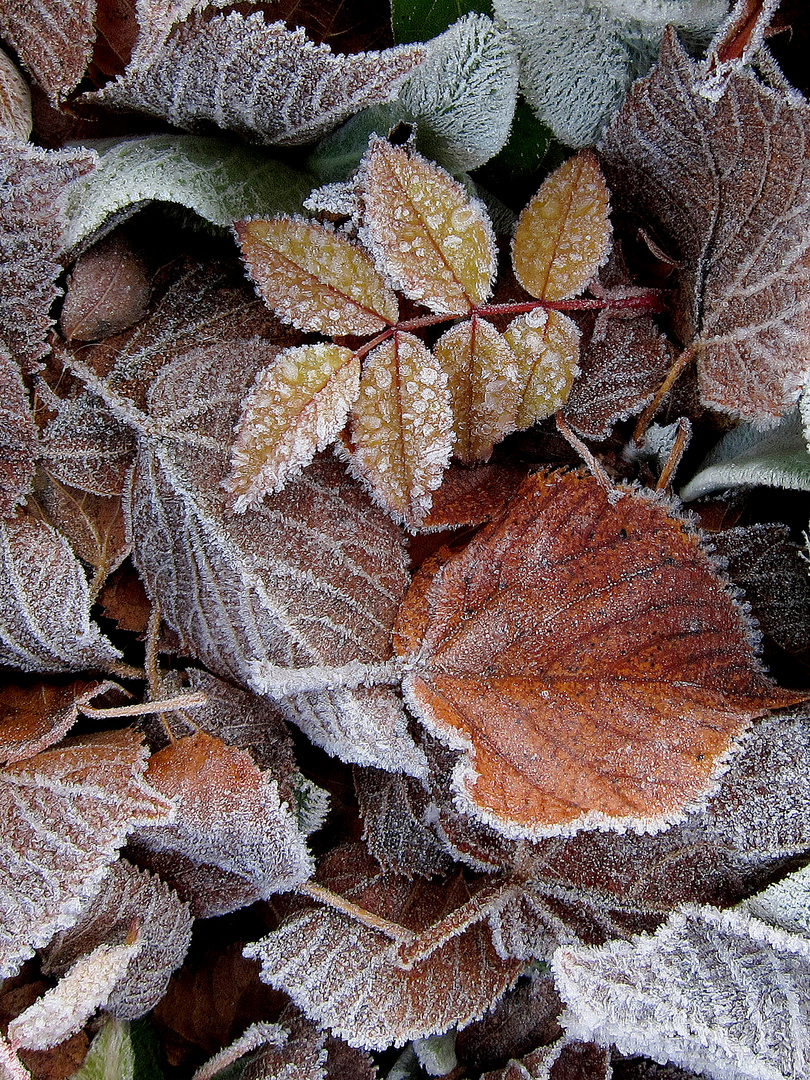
45 614
546 348
232 841
718 162
54 40
347 976
718 992
21 437
585 654
563 236
316 278
15 100
128 897
401 430
256 78
70 808
433 241
33 184
33 718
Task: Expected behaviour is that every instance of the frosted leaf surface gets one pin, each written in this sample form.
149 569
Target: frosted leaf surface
721 168
603 623
45 614
33 718
786 903
107 291
714 991
20 444
229 824
471 496
345 976
463 94
15 100
484 384
563 235
54 39
296 407
258 79
315 278
93 525
33 184
71 809
546 348
401 428
427 235
252 1038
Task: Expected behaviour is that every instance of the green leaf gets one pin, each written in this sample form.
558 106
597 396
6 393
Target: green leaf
420 20
338 154
111 1055
219 180
530 154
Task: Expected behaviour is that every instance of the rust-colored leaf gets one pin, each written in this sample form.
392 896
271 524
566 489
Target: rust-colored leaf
563 236
584 652
54 40
107 291
427 234
315 278
32 718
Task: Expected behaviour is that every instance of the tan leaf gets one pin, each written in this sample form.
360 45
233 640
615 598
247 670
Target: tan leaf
546 345
563 236
54 39
70 809
296 407
92 524
15 100
402 426
315 278
20 445
33 718
107 291
427 234
586 656
482 377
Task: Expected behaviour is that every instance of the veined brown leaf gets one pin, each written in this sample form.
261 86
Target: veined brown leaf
426 233
585 655
546 348
563 236
296 407
107 291
33 718
315 278
54 39
20 445
401 430
15 100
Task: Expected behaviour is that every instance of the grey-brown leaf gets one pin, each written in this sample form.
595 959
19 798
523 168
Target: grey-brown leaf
20 443
53 38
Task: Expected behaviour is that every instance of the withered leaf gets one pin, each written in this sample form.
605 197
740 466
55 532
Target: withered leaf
54 39
33 718
15 100
107 291
546 347
20 444
70 808
718 162
471 496
426 233
586 656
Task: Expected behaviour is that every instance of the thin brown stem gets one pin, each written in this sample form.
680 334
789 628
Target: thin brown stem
681 362
144 708
597 470
392 930
675 454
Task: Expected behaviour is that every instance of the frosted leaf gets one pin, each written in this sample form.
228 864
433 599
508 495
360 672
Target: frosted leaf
484 385
346 976
33 718
427 235
220 180
714 991
253 1037
71 809
111 1055
296 407
315 278
54 39
564 234
93 525
255 78
785 904
471 496
231 836
45 615
722 170
129 897
15 100
401 429
20 444
107 291
33 184
462 96
63 1010
561 1060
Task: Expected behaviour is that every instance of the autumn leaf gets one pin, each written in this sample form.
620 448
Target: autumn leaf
53 39
21 437
546 348
107 291
15 100
32 718
597 617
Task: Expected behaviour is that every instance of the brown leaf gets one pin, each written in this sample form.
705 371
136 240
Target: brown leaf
70 809
54 39
471 496
107 291
718 162
523 1019
92 524
601 621
15 100
20 444
32 718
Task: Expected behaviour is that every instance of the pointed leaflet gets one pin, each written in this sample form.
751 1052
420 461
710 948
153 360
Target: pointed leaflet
346 976
546 348
427 235
401 429
563 236
718 992
20 436
53 38
33 718
255 78
719 163
585 654
315 278
70 808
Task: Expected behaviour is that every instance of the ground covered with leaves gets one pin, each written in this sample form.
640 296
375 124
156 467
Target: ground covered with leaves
404 601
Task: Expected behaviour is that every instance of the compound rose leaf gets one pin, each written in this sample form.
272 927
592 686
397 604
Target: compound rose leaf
401 430
53 39
428 236
258 79
564 234
296 407
719 163
715 991
20 435
315 278
32 718
546 347
584 653
70 810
